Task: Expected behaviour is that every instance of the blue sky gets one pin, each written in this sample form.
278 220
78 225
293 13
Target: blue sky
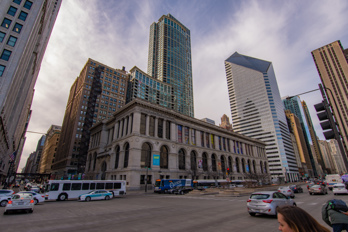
116 33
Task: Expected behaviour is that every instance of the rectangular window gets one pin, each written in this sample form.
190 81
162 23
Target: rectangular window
12 11
66 186
76 186
108 186
5 55
6 23
152 126
2 69
28 4
2 36
100 185
117 185
23 16
12 41
17 28
92 187
85 186
160 128
54 187
17 1
167 129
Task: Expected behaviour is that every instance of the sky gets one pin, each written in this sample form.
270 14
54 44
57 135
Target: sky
116 33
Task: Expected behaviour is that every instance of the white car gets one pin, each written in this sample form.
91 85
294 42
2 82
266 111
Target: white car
96 195
287 191
3 200
38 198
19 202
339 189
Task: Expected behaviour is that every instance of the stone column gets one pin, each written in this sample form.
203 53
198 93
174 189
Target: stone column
173 132
130 119
120 128
136 122
125 123
156 127
115 130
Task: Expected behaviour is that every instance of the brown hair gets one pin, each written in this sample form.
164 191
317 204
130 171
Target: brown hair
299 220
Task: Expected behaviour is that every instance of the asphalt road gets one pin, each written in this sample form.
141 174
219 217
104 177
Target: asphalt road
154 212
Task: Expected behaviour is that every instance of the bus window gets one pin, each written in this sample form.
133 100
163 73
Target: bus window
66 186
100 185
54 187
85 186
117 185
92 186
76 186
108 186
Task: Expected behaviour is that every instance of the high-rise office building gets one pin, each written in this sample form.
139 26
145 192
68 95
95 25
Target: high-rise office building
25 29
258 112
332 66
169 60
49 149
295 128
94 96
295 106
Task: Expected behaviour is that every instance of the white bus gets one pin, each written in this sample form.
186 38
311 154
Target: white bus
61 190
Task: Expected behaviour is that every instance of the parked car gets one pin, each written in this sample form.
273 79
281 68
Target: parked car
287 191
96 195
339 189
38 198
317 189
267 202
182 190
20 202
296 188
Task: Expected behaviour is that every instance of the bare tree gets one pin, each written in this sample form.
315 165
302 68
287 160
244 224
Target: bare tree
255 178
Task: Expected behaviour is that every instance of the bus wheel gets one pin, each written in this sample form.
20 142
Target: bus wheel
62 197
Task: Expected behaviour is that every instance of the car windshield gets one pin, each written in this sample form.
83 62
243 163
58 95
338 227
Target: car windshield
259 196
316 186
21 196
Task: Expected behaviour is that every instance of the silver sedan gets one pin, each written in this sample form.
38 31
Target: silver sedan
267 202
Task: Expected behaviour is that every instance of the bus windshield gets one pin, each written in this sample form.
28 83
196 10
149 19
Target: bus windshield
158 183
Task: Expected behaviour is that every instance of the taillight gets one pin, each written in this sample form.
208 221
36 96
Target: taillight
31 201
289 190
9 202
248 200
42 195
278 190
268 201
319 188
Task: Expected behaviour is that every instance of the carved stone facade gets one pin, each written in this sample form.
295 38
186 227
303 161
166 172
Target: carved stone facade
144 141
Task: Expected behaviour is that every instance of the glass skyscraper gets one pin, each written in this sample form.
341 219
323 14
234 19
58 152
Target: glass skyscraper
169 60
258 112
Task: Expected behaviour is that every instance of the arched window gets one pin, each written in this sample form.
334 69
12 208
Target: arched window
94 161
90 161
265 167
237 165
205 162
249 166
164 157
254 166
145 161
230 163
181 159
193 161
243 165
103 170
261 166
126 155
223 165
117 158
213 163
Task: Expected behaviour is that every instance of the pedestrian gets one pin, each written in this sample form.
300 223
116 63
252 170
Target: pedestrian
295 219
337 220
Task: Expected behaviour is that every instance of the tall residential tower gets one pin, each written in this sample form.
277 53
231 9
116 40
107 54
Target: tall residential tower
332 66
257 111
169 60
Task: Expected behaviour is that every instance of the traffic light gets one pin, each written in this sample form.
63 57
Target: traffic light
325 116
228 170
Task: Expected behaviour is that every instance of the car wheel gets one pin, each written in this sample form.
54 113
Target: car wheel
36 201
107 197
3 203
88 199
294 204
62 197
252 214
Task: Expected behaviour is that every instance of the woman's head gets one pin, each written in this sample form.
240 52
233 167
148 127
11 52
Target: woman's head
295 219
